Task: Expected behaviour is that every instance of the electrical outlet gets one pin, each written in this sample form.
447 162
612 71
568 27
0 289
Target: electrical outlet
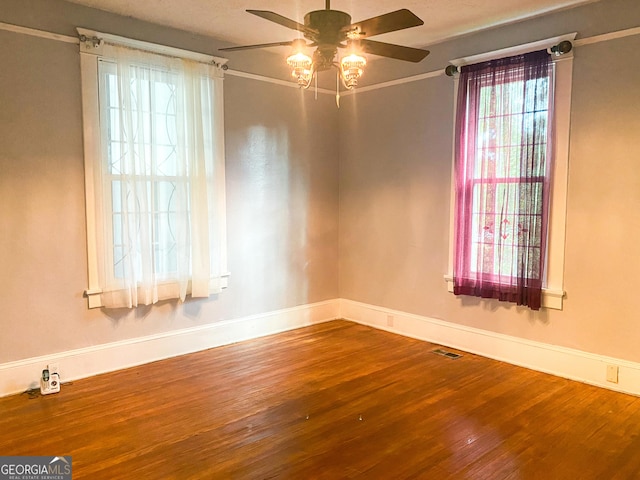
612 373
389 320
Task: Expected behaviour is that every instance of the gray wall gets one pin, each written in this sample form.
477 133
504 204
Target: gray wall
322 203
395 180
282 186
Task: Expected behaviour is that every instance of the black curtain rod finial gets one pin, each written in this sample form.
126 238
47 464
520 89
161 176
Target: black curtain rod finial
451 70
560 49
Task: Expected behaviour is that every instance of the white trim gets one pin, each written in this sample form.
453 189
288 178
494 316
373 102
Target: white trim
506 52
38 33
551 298
605 37
557 228
16 377
543 357
577 43
94 295
391 83
97 49
553 294
92 48
276 81
511 51
91 143
452 194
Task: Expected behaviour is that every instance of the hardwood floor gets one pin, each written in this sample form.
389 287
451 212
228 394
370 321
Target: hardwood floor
336 400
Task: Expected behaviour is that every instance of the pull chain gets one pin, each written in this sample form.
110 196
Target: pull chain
338 88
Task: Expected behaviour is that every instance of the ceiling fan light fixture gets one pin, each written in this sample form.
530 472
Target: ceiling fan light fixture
329 30
352 68
301 64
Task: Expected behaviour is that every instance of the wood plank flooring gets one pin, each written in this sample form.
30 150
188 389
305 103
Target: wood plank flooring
331 401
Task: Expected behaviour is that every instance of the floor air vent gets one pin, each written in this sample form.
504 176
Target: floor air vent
444 353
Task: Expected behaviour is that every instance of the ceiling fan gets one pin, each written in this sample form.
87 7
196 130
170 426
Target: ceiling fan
328 30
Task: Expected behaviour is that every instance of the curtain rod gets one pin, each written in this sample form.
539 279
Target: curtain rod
92 41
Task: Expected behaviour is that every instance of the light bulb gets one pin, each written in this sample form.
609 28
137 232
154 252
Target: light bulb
352 68
301 64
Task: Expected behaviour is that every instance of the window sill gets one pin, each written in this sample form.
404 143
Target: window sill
95 299
551 298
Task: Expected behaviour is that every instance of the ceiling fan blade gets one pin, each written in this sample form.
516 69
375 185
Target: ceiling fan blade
389 22
390 50
260 45
280 20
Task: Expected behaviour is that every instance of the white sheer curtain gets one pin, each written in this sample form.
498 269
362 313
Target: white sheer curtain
160 186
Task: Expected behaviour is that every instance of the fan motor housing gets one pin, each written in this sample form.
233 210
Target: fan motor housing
329 24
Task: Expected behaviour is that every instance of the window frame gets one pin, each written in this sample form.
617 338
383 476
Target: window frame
91 50
553 283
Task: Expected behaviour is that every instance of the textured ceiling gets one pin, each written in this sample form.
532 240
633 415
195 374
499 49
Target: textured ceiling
227 20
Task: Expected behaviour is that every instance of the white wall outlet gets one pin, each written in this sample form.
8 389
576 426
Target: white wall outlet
612 373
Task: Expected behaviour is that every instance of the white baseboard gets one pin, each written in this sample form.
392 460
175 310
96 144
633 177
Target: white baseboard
16 377
560 361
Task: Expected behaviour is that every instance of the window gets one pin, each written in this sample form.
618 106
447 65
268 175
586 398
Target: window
506 180
502 166
154 160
